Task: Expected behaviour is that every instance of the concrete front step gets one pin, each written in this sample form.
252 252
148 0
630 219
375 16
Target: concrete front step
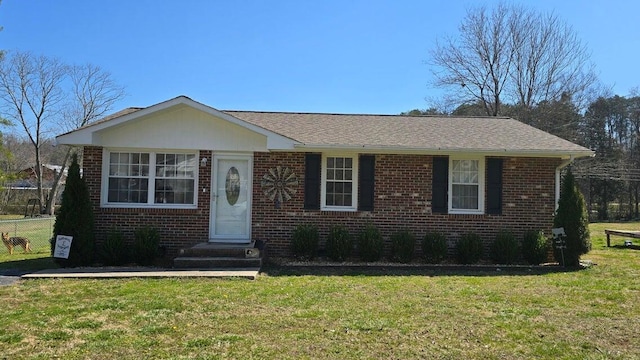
200 262
219 255
208 251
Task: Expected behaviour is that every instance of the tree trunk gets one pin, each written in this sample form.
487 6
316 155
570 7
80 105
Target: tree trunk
38 171
51 201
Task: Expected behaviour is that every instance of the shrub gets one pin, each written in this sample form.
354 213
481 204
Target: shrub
469 248
75 218
572 216
114 251
403 244
370 244
146 245
339 243
535 247
434 247
305 241
504 249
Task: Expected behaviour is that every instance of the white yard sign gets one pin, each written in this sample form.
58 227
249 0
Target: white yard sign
63 245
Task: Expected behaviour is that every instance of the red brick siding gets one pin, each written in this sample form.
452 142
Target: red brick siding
402 201
178 227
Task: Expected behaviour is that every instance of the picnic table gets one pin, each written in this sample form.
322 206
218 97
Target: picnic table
625 233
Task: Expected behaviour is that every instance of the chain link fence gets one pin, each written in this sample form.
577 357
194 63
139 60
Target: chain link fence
37 230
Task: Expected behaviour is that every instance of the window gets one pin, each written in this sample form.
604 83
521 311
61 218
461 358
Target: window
339 182
466 185
128 177
170 178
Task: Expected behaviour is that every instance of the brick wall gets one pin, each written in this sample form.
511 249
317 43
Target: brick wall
402 201
178 227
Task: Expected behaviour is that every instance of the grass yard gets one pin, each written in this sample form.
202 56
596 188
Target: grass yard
588 314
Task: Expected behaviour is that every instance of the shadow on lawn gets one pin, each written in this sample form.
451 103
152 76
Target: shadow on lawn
26 265
626 247
413 270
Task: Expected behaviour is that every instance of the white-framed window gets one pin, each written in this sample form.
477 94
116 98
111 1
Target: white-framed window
339 182
149 178
466 185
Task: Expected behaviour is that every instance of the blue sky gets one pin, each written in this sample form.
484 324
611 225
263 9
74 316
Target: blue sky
343 56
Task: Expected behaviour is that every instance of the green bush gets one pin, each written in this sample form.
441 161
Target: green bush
403 245
434 247
75 218
469 248
535 247
146 246
305 241
505 249
370 244
114 251
572 216
339 243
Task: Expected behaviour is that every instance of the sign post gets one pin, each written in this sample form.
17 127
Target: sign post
63 246
559 241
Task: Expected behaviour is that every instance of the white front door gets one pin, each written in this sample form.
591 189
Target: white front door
231 199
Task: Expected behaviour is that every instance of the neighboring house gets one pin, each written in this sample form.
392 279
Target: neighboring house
27 179
199 174
18 193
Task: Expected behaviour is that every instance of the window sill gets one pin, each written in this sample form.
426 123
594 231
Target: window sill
148 206
339 209
465 212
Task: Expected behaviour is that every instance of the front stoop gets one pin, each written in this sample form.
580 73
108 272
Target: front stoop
219 256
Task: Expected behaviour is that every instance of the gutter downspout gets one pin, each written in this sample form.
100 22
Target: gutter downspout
562 165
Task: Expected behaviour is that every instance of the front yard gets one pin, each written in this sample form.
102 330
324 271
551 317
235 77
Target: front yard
592 313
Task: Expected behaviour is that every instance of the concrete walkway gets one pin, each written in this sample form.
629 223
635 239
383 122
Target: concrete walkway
141 272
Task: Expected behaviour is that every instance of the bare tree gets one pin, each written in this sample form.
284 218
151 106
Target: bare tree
477 64
31 94
511 54
94 94
43 96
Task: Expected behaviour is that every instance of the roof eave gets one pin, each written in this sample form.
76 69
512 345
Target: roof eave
565 154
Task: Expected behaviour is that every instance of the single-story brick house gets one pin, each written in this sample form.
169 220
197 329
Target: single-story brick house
199 174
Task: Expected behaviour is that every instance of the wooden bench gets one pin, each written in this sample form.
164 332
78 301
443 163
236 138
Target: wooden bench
626 233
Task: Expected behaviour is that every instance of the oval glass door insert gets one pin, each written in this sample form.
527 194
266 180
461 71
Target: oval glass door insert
232 185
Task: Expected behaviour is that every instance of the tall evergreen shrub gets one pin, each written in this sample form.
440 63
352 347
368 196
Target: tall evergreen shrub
572 216
75 218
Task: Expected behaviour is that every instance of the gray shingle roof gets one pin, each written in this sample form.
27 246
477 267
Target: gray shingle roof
490 134
392 133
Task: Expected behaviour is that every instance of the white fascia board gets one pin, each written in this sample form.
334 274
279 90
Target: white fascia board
442 151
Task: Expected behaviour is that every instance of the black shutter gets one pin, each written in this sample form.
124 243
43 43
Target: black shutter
494 186
366 182
312 173
440 185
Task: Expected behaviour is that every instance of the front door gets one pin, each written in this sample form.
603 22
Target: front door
231 199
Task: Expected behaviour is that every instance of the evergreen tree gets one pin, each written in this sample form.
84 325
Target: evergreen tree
75 218
572 216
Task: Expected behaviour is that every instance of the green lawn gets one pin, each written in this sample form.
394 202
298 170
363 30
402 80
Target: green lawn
588 314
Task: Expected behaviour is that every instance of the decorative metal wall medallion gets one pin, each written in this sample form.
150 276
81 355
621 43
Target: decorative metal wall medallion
232 185
279 184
